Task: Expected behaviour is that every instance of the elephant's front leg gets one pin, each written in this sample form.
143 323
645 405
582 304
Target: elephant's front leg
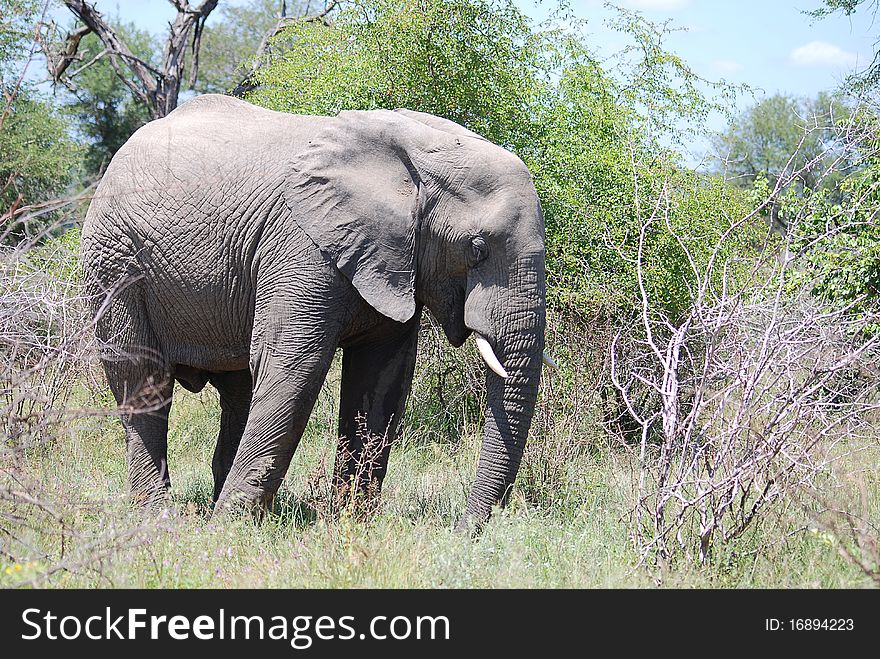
290 355
376 380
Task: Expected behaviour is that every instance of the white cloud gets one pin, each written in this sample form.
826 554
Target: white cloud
657 5
727 66
822 53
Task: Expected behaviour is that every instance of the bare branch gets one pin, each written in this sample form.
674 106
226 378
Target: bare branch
92 19
58 61
96 58
157 88
749 396
195 49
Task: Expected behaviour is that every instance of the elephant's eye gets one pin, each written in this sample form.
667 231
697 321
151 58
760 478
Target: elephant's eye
479 250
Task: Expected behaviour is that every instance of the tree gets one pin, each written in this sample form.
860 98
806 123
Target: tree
780 135
233 46
37 159
157 87
470 61
15 18
837 238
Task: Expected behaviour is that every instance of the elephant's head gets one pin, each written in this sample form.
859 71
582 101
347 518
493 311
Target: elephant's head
415 209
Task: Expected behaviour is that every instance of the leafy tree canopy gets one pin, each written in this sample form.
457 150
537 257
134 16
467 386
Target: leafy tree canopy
231 39
837 238
17 19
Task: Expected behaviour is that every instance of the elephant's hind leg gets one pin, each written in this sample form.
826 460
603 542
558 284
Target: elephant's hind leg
282 401
146 441
234 388
141 382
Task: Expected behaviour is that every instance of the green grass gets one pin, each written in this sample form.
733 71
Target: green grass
566 526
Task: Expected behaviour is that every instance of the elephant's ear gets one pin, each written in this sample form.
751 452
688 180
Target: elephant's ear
440 123
355 192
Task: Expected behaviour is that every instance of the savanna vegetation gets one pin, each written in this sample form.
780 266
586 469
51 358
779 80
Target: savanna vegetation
714 418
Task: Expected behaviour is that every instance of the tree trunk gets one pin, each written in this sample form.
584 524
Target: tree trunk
157 89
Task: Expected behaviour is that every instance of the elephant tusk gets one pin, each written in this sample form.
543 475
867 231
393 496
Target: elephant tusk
488 356
548 360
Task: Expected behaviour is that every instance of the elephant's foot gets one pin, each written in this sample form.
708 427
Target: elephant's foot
149 480
244 499
155 502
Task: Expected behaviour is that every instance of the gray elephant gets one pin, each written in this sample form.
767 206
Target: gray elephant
239 246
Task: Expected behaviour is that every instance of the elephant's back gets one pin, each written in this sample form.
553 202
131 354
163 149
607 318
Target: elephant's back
220 134
199 171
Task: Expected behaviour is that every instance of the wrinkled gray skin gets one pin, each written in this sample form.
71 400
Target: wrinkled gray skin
243 246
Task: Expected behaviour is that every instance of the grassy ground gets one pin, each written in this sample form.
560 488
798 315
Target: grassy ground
565 527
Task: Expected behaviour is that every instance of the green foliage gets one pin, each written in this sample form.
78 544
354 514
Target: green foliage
471 61
231 38
590 137
600 178
17 18
661 84
837 236
37 154
847 7
105 111
57 257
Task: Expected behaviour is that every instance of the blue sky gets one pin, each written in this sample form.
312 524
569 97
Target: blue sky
768 44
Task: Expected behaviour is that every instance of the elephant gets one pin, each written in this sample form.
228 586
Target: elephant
236 245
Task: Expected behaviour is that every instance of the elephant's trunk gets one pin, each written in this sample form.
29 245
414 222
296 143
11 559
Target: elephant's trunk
511 400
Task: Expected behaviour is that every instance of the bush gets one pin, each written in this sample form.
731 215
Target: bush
834 228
